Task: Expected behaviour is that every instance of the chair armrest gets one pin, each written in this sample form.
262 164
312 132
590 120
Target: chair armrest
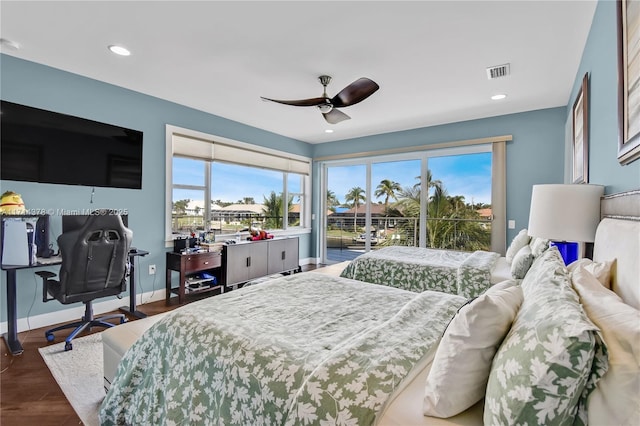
46 277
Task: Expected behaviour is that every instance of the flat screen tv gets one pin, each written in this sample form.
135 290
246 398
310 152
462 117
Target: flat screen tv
49 147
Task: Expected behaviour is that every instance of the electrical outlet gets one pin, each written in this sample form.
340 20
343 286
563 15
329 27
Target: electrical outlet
152 269
512 224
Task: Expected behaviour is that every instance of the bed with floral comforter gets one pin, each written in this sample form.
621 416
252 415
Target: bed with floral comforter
304 349
467 274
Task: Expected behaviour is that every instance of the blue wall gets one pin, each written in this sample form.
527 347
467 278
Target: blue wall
599 59
48 88
534 156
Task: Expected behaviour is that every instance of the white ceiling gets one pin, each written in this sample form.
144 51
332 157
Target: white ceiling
429 57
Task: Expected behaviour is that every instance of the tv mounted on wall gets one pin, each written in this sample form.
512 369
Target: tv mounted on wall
49 147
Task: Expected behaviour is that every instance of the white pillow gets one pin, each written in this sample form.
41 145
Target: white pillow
460 369
615 398
519 241
538 246
521 263
601 270
503 285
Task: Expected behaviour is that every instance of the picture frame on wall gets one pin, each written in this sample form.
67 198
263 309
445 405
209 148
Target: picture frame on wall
580 143
628 14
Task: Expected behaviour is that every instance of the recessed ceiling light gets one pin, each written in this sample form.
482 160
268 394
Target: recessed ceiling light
9 44
328 131
498 97
119 50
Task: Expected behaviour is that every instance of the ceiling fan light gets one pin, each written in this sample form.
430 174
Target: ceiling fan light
325 108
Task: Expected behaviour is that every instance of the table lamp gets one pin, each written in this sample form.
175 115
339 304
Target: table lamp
566 215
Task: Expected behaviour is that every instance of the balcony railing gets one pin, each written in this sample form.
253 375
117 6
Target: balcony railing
223 223
348 234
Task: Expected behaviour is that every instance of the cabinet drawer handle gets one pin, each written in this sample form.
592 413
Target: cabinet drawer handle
206 263
248 261
284 255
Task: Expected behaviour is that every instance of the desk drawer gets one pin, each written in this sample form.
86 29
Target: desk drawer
201 261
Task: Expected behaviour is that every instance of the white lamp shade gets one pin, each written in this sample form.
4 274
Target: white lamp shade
565 212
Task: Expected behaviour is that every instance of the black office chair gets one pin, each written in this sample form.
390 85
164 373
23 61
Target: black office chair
95 262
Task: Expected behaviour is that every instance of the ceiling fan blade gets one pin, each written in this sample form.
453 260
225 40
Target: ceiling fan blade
334 116
356 92
301 102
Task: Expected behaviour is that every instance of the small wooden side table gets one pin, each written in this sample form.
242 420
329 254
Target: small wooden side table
189 264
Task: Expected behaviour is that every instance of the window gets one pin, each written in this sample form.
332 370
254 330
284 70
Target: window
449 197
219 187
295 185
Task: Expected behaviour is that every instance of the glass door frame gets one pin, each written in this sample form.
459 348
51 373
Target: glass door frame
368 161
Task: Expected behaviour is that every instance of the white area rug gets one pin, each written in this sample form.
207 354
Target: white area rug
79 374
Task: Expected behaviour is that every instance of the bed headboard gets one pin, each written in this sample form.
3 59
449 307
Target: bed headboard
618 237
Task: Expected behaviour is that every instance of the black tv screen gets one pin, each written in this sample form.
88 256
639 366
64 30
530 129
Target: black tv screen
49 147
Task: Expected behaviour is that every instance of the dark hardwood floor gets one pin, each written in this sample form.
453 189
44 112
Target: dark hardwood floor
29 395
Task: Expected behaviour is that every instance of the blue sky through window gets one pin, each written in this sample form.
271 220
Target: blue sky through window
468 175
230 182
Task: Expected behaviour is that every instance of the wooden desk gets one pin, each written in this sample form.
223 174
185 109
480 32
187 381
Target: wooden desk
188 264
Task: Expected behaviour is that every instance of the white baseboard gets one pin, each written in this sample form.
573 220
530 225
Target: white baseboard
77 311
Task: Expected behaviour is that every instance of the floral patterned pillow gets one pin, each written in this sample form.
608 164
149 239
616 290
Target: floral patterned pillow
519 241
521 263
552 357
538 246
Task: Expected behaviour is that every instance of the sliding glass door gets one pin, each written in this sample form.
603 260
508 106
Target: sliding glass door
437 199
395 208
459 210
345 211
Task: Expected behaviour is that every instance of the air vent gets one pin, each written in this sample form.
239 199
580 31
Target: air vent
498 71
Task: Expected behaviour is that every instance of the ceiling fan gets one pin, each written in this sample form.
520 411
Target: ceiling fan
356 92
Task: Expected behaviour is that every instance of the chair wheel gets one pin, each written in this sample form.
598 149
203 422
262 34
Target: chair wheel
68 346
50 337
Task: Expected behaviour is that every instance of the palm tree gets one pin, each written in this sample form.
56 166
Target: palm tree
332 200
457 202
430 182
409 201
353 199
180 206
387 189
273 210
437 210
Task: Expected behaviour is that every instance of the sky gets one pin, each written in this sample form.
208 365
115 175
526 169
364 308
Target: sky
231 182
468 175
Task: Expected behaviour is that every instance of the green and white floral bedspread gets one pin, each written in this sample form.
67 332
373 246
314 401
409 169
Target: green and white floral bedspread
304 349
467 274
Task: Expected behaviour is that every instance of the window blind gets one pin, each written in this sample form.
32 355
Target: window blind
216 151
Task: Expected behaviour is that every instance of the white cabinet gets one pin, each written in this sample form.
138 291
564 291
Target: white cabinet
245 261
283 255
